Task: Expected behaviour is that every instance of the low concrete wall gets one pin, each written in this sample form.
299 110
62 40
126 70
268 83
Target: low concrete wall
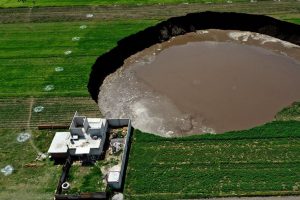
121 122
64 174
125 155
112 60
87 196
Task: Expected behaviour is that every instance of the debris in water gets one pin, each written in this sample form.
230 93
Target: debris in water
7 170
38 109
23 137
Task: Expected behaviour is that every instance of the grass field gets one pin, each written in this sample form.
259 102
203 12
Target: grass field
33 51
260 161
85 179
15 3
31 179
15 112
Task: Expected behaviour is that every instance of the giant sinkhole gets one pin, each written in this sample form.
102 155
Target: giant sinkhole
200 73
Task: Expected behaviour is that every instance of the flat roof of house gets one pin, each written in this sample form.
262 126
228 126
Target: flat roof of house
87 142
82 150
59 143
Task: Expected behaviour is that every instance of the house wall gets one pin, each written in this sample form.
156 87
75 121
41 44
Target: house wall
115 185
99 132
79 130
59 155
95 132
125 155
96 152
118 122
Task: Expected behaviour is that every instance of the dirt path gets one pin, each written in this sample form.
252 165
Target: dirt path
286 9
31 101
28 129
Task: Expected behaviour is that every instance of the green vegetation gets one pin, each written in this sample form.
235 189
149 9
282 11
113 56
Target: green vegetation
260 161
32 51
16 3
85 179
290 113
14 112
293 20
31 178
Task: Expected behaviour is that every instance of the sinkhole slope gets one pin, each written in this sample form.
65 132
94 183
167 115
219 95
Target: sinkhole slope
112 60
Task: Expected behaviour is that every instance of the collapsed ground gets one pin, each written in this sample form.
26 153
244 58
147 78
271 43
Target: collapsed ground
33 44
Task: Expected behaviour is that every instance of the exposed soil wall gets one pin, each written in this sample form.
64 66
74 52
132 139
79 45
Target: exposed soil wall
112 60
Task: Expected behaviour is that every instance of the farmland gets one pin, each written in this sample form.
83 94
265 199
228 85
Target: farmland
31 179
33 47
260 161
13 3
32 52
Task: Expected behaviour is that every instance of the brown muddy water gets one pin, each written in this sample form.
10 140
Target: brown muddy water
210 81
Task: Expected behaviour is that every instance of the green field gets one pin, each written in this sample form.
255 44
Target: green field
32 52
16 113
16 3
85 179
31 179
260 161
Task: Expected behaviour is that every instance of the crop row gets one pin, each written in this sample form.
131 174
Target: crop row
216 165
